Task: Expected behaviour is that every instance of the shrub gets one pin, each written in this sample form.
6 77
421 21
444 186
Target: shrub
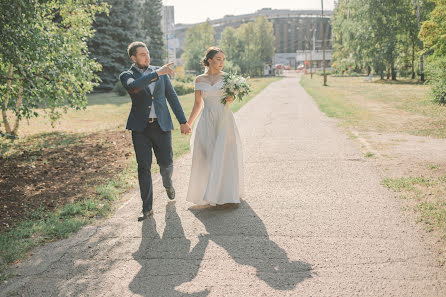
119 89
436 73
185 78
183 88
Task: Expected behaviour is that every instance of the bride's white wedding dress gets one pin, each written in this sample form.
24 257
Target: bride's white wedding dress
217 160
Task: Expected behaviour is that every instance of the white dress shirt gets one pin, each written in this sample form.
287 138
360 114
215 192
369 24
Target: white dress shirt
152 89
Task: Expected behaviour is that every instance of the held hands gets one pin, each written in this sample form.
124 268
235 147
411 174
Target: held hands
165 69
185 129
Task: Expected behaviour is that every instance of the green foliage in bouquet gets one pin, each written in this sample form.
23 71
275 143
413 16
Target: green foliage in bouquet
234 86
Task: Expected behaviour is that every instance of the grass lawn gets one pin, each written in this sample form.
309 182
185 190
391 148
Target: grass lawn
401 106
402 124
54 180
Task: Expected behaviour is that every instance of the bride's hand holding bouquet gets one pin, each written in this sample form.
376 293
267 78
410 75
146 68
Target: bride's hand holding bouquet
234 87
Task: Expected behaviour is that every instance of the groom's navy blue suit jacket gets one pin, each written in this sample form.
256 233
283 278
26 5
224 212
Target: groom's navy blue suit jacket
136 85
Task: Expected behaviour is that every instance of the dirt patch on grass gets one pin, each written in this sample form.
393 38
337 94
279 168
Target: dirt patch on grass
407 155
54 169
414 167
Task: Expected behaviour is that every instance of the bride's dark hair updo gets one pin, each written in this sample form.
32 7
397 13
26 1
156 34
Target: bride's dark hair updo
210 53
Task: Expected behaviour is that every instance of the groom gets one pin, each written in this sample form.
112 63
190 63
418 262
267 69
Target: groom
150 121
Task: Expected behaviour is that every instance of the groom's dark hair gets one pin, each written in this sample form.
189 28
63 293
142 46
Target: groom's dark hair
131 49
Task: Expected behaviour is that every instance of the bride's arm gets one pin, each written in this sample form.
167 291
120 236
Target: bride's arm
197 107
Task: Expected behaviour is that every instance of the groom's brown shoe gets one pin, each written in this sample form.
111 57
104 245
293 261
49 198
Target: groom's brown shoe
144 215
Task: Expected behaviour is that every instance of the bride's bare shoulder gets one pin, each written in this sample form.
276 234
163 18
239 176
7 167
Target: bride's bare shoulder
201 78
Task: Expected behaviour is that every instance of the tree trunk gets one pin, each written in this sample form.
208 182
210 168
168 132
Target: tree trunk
369 70
393 72
18 105
5 103
422 68
421 42
413 60
388 72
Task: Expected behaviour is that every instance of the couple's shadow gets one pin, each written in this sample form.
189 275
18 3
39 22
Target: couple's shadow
167 261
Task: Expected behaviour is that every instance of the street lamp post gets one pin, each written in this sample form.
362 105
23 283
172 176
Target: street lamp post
311 45
313 49
323 43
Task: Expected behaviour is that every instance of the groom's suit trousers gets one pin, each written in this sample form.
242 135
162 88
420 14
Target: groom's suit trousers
161 142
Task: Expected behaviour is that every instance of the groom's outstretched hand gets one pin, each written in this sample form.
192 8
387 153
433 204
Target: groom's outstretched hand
165 69
185 129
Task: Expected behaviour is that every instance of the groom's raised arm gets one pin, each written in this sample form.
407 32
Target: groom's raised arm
133 85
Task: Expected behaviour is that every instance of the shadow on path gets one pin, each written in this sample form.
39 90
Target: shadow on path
241 232
167 261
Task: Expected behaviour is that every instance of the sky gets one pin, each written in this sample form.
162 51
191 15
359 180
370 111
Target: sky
195 11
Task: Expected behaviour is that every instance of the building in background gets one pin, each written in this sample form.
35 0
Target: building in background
168 27
298 34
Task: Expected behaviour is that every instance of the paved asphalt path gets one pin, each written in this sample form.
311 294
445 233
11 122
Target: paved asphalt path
314 221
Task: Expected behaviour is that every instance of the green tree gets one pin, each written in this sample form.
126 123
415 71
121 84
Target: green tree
44 57
433 34
230 43
198 39
250 46
412 41
374 34
433 31
345 31
265 35
113 33
249 57
152 31
384 21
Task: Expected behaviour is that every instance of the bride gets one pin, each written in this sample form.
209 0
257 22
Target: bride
217 160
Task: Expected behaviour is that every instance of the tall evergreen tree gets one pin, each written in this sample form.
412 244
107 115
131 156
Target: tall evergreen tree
152 31
114 32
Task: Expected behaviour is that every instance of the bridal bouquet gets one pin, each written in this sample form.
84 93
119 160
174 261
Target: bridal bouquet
234 85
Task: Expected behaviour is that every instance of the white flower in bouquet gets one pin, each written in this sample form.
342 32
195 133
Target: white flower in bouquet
234 86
